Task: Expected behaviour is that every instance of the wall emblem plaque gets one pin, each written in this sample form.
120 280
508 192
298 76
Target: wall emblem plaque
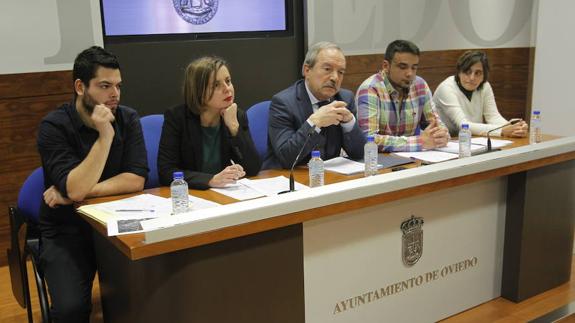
412 240
196 12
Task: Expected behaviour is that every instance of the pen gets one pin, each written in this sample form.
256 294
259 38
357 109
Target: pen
233 164
135 210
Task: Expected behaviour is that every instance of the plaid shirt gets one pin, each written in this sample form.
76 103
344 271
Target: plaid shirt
395 129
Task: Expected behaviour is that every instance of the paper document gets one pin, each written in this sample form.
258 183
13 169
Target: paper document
495 143
201 220
451 151
125 216
343 166
428 156
119 226
239 191
198 203
272 186
453 147
246 189
348 167
144 205
123 225
164 222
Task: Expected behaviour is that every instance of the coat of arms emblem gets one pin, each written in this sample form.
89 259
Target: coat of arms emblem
412 240
196 12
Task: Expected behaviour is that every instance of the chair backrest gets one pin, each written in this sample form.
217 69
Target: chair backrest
24 244
152 130
31 195
258 120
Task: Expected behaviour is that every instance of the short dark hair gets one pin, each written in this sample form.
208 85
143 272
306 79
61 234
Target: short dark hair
197 90
470 58
88 61
400 46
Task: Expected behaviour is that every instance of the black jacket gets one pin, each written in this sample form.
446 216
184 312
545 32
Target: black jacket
181 148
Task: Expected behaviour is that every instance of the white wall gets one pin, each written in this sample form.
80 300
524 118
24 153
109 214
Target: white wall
554 71
367 26
46 35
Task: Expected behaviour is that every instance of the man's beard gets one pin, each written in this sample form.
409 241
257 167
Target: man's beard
89 103
400 87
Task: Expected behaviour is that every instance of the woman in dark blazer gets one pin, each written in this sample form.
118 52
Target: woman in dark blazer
207 137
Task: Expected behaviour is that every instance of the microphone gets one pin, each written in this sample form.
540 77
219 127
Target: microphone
511 122
291 179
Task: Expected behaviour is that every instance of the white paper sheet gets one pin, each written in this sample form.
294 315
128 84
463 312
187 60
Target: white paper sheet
343 166
239 191
246 189
428 156
130 221
453 147
495 143
124 216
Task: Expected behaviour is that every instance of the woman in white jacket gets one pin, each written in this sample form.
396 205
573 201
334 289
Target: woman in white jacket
467 97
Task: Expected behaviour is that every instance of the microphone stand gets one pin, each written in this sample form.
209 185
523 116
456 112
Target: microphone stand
291 179
511 122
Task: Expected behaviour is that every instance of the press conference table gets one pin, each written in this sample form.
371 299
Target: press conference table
253 271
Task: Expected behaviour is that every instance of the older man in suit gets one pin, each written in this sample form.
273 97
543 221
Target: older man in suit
314 109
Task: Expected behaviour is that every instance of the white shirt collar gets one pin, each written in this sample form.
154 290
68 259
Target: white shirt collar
312 98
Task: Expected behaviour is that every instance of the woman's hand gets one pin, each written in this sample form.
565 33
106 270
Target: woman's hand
229 175
230 116
520 129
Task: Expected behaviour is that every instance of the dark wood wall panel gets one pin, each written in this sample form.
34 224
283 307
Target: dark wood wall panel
511 72
24 100
35 84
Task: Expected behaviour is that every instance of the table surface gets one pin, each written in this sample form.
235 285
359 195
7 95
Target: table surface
135 247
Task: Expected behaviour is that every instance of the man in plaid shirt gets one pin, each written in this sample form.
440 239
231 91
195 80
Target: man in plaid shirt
395 104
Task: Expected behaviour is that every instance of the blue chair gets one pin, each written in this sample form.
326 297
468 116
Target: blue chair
24 244
152 130
258 120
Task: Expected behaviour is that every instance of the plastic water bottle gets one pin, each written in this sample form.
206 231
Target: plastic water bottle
179 192
464 141
535 127
370 157
315 166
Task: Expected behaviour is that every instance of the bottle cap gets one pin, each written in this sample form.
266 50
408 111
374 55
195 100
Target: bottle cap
370 139
178 175
464 126
315 154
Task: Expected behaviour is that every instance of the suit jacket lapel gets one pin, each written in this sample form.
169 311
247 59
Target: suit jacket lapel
303 100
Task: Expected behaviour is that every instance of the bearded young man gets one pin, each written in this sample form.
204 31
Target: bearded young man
89 147
395 105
